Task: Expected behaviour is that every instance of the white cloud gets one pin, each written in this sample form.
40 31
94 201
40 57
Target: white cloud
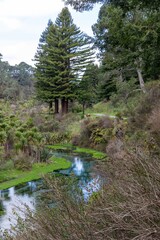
10 23
17 52
22 22
23 8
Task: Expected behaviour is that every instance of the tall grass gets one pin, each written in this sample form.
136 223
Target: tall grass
102 107
128 207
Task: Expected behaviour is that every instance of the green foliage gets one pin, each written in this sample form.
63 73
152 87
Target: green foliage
44 155
147 103
61 60
94 133
125 33
57 137
64 147
99 135
15 81
95 154
22 162
101 108
17 135
107 86
81 5
38 170
90 81
22 73
125 90
69 147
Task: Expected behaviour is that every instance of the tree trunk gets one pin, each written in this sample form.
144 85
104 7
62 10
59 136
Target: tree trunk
83 108
56 102
50 106
6 148
63 106
141 81
29 150
66 106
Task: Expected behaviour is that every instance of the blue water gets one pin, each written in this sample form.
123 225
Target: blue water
14 200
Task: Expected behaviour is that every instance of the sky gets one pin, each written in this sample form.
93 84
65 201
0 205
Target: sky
23 21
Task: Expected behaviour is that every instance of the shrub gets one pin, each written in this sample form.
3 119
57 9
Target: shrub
94 133
125 90
144 110
45 154
57 137
126 208
22 162
154 120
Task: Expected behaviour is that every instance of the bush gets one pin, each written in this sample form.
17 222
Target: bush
45 154
94 133
77 108
126 208
149 102
125 90
22 162
57 137
154 120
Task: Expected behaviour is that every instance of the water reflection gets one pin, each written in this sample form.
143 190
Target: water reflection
18 197
90 186
15 204
77 167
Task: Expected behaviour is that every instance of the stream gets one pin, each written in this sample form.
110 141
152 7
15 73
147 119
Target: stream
13 201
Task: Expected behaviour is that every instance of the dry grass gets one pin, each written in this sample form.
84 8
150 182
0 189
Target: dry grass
128 206
144 110
154 120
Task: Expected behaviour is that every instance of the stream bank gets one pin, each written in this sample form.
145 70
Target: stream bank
15 199
40 169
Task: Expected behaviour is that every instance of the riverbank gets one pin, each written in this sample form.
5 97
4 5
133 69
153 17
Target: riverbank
38 170
69 147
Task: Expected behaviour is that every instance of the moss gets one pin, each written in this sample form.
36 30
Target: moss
6 175
38 170
94 153
61 147
1 212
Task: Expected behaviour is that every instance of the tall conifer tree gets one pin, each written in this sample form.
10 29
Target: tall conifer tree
65 56
43 88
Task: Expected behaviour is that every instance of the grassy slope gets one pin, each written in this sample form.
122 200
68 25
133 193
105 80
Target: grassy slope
102 108
14 177
39 169
37 172
95 154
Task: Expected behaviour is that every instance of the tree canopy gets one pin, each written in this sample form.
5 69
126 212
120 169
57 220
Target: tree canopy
16 82
61 60
81 5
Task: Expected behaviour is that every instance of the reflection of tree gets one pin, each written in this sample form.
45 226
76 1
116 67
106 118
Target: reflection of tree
1 207
4 194
21 189
25 188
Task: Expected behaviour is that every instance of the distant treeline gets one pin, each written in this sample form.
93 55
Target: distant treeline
16 82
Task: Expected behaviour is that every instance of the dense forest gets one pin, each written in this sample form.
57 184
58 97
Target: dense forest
16 82
109 110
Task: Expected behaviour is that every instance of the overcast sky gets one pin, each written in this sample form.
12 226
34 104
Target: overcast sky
23 21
